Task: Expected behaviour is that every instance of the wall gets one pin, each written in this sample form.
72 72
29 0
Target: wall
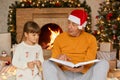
4 7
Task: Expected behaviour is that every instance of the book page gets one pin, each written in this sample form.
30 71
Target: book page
87 62
67 63
70 64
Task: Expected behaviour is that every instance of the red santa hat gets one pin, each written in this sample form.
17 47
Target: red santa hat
78 17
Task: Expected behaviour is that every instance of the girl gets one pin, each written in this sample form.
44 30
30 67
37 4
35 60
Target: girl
28 55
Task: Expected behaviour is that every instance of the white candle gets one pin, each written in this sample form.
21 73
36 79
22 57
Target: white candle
5 43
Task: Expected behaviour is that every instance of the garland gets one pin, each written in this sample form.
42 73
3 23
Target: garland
43 4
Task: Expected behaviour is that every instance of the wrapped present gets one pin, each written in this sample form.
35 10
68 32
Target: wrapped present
118 64
112 78
112 64
8 73
106 46
106 55
114 73
109 56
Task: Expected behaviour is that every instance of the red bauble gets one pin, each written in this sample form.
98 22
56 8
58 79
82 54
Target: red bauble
96 17
101 27
115 27
108 16
57 4
114 37
7 63
95 32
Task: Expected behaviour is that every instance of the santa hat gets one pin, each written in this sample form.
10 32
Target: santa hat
78 17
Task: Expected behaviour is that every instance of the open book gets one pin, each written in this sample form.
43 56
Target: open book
70 64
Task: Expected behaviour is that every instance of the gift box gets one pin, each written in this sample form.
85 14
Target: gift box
114 73
112 64
8 73
106 55
106 46
109 56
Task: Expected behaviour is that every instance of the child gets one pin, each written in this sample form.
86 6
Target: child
28 55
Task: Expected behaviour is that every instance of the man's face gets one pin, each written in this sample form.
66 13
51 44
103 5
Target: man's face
73 29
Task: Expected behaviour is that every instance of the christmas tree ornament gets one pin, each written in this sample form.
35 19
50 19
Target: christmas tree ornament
11 28
114 37
11 11
118 37
57 4
118 18
78 5
108 16
22 4
115 27
43 5
107 0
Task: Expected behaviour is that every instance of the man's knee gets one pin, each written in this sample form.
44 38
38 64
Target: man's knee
47 63
104 64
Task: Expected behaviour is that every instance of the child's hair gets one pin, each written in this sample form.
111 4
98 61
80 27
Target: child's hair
30 27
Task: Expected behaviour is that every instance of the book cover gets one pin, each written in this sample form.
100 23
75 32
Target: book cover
70 64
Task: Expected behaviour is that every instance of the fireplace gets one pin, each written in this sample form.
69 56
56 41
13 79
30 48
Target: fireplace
42 16
48 34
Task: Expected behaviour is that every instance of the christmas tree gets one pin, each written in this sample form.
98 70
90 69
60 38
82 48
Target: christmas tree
108 23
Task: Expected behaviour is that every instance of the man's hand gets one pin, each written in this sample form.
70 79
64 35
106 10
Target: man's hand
64 57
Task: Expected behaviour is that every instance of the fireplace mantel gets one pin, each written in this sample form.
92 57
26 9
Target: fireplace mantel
42 16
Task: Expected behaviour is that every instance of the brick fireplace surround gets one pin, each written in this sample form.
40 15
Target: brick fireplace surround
42 16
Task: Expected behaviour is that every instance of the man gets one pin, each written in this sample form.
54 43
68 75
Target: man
75 45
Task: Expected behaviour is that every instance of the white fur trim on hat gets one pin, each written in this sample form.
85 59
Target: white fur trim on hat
83 25
74 19
77 21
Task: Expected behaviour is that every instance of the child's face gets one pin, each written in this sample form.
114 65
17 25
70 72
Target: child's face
32 38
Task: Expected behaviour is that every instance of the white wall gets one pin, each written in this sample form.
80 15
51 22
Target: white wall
94 7
4 8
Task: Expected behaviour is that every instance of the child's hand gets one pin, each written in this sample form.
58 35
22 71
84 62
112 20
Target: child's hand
31 65
38 63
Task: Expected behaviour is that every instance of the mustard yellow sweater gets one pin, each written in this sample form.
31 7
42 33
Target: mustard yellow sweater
78 49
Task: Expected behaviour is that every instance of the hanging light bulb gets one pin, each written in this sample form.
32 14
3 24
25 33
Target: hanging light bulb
21 0
118 18
107 0
98 32
12 29
105 9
